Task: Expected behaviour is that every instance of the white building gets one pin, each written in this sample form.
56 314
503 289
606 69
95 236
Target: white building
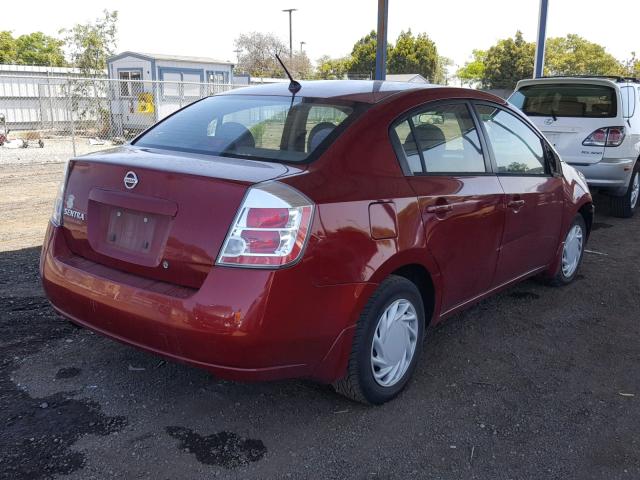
406 77
170 82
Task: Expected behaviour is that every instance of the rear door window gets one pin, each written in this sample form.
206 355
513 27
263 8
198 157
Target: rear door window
566 100
628 95
441 139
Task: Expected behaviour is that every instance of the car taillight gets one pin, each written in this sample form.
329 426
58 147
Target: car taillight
270 229
58 203
605 137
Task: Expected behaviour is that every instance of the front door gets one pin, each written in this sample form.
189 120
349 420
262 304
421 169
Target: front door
461 201
533 193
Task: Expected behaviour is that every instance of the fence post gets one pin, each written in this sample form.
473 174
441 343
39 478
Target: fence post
73 126
51 119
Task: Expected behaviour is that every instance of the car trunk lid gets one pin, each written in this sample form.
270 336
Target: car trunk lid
170 224
566 134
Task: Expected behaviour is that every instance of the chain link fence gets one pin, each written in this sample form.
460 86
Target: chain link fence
48 119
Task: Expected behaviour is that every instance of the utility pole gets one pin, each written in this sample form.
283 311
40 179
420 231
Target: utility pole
301 44
538 68
381 45
238 51
290 10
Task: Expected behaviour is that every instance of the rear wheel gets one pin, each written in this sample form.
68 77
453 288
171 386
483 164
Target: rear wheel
626 205
572 252
387 343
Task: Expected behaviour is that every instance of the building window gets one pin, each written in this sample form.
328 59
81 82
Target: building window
181 84
217 77
131 83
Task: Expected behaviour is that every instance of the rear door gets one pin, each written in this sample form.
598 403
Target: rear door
533 187
460 198
567 113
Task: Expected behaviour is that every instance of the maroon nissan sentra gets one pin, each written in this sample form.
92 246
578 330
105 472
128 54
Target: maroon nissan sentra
263 234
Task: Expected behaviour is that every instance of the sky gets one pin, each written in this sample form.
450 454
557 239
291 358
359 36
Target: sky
189 27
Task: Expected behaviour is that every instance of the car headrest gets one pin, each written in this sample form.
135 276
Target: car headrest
236 135
569 107
318 134
429 136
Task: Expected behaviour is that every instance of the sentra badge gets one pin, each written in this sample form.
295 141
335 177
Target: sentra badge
69 211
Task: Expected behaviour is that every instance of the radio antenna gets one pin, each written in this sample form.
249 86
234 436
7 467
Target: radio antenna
294 87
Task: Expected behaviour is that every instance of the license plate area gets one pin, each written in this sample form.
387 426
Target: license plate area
131 231
133 236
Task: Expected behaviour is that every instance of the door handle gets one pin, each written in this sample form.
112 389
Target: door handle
439 208
516 204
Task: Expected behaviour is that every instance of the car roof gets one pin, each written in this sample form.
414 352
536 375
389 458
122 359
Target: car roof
588 80
366 91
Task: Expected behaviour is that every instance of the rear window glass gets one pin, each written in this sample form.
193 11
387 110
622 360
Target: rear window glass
566 100
251 126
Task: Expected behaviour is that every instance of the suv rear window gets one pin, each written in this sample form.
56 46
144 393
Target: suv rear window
252 126
566 100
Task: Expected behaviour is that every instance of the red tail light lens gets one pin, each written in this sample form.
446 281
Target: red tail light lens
270 229
616 136
605 137
268 217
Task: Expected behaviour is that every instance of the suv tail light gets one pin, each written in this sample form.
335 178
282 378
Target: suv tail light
58 203
605 137
270 229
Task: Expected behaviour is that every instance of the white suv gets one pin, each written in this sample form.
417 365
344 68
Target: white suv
594 123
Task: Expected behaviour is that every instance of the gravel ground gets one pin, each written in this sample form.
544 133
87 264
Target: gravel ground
55 150
535 383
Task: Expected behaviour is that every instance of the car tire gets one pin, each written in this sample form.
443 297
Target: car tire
626 205
569 264
381 327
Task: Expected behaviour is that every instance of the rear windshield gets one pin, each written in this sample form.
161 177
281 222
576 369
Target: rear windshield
566 100
250 126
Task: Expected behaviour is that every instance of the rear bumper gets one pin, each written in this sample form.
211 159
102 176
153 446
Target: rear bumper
613 174
242 324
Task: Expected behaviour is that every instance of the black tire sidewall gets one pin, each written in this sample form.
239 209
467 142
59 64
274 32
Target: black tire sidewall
390 292
636 171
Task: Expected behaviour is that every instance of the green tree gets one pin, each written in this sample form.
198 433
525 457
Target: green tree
39 49
91 44
8 52
472 73
631 66
574 55
507 62
415 54
257 57
332 68
363 55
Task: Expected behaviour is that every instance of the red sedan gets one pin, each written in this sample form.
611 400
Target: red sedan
263 235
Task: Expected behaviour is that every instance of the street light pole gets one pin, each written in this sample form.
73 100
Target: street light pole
290 10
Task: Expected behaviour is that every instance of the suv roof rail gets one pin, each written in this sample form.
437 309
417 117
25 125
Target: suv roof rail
617 78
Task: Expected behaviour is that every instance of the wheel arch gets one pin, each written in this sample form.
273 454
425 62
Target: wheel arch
587 212
421 278
418 266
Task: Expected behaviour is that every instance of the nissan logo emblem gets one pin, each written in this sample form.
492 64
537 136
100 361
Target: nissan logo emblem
130 180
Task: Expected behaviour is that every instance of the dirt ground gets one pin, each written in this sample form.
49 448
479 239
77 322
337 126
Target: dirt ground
535 383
